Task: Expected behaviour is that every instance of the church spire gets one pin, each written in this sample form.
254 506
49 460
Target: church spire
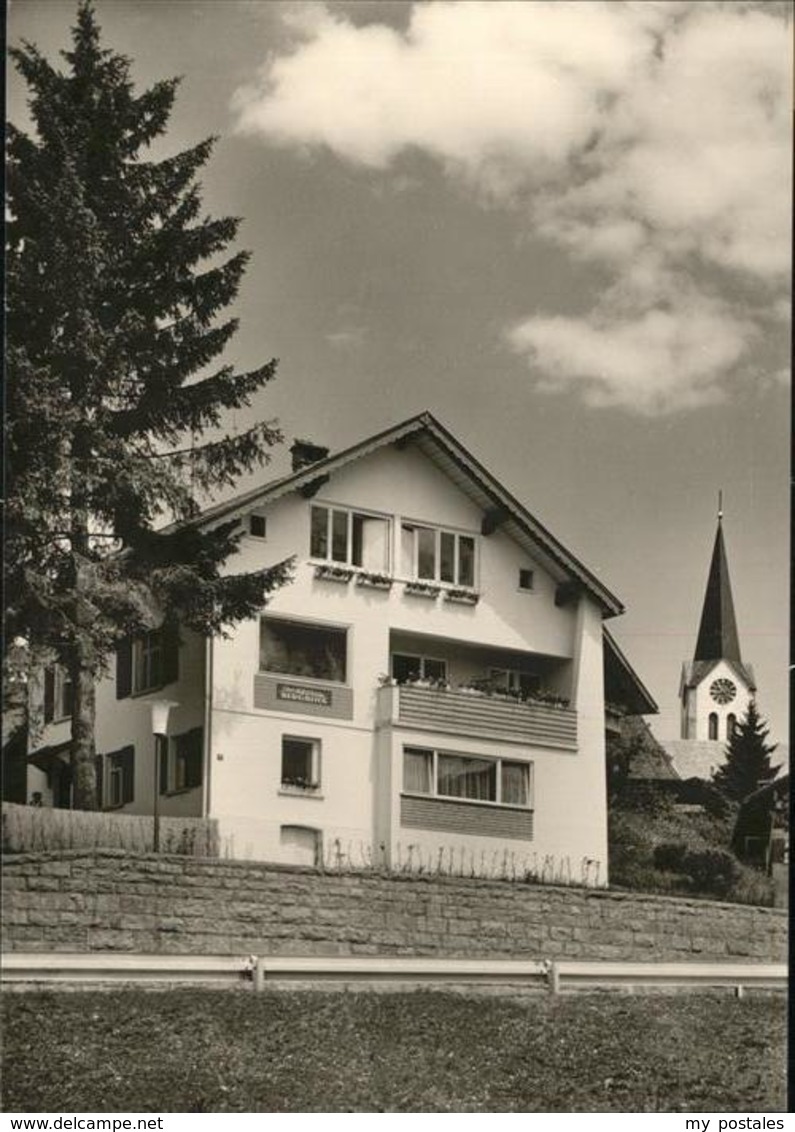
717 633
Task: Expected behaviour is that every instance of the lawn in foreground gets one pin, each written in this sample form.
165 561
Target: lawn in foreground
226 1051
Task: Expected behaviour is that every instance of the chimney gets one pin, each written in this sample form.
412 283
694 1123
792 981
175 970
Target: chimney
304 453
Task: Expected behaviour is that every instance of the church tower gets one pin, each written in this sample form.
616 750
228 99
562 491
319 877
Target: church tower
716 685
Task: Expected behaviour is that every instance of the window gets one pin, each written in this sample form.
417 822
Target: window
257 526
120 777
470 777
511 680
713 725
526 579
300 649
731 724
58 693
301 845
433 555
146 663
181 769
349 537
300 763
406 668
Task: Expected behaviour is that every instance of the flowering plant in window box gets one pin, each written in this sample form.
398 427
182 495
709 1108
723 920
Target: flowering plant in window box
328 573
374 581
487 687
298 782
462 597
422 589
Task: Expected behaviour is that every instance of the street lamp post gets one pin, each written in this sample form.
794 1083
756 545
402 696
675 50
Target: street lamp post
160 710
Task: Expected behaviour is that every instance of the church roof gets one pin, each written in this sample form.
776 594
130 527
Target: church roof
697 670
717 633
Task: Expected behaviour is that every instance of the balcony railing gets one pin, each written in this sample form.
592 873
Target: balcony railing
457 712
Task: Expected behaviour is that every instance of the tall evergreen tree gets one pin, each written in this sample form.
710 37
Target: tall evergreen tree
112 324
748 754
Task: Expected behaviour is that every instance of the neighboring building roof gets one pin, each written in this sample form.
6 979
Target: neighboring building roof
695 758
717 633
434 441
623 687
650 762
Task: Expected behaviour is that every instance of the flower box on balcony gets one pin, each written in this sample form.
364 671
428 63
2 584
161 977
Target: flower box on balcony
422 589
462 597
333 574
374 581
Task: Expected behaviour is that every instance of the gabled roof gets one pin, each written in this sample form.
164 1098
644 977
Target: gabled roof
441 447
696 671
717 632
623 686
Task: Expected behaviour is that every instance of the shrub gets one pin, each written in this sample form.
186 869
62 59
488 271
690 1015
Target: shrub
670 856
712 870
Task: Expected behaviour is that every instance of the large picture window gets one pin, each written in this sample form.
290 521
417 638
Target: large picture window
470 777
352 538
297 648
430 554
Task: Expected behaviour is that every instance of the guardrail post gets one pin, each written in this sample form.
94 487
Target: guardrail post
554 978
259 975
739 991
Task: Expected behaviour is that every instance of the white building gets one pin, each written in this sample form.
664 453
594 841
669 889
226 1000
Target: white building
431 682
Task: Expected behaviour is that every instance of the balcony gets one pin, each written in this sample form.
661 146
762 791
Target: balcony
457 712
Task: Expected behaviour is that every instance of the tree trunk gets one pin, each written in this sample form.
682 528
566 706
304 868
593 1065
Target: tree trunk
83 749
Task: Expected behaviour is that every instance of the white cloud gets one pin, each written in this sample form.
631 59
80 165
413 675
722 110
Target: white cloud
347 338
652 138
655 361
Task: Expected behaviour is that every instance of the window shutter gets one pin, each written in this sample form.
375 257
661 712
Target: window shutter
49 695
127 760
193 761
163 752
124 668
170 654
99 764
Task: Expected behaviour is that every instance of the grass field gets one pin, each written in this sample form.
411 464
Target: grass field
206 1051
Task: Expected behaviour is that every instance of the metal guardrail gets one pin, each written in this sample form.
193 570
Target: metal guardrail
35 968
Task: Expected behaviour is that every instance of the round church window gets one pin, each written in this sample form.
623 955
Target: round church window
723 691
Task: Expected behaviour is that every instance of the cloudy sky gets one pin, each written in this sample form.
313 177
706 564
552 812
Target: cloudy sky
561 227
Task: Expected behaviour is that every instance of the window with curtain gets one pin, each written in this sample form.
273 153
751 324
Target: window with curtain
461 776
469 777
434 555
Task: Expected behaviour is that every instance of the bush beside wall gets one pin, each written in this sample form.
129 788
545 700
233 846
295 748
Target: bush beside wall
82 901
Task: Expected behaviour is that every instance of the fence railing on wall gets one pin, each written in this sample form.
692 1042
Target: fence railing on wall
31 829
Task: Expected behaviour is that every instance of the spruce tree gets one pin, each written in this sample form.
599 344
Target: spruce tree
747 765
113 321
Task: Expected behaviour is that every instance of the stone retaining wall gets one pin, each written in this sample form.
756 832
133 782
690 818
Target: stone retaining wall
98 901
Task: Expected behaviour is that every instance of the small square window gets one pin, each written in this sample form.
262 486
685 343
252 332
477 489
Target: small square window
257 526
300 763
526 579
